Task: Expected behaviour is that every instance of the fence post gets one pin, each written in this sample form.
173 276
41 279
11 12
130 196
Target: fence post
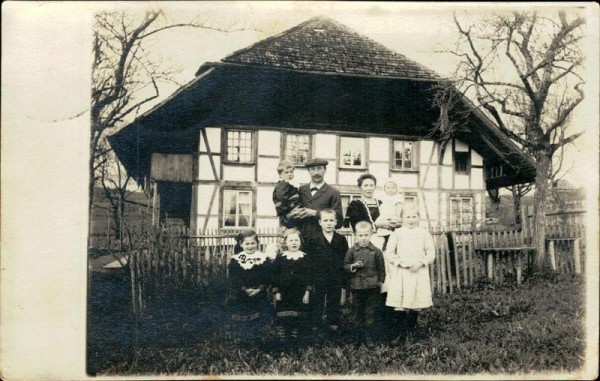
519 266
552 255
490 265
576 256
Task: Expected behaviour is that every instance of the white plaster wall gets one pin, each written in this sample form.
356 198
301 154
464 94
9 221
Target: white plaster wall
213 223
447 173
476 158
477 199
461 181
477 181
267 223
429 178
264 201
214 140
325 146
203 195
406 179
443 208
204 167
346 177
429 201
380 170
269 143
448 155
460 146
379 149
267 170
424 149
238 172
329 174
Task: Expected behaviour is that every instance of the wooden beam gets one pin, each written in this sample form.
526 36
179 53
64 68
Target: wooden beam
210 156
210 205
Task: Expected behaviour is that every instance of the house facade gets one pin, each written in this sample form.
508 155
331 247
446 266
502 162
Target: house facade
209 153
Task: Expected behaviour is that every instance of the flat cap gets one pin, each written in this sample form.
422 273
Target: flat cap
315 162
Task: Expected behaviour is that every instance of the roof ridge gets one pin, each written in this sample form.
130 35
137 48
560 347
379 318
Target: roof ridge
270 38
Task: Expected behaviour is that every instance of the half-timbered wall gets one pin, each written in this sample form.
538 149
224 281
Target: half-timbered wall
223 189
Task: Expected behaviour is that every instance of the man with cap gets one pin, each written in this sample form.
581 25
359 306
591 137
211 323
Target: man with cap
316 196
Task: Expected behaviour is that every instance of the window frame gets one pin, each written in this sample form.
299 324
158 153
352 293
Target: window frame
467 155
415 156
237 188
365 157
284 136
461 198
225 146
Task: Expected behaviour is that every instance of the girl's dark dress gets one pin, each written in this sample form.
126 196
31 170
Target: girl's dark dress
248 271
292 278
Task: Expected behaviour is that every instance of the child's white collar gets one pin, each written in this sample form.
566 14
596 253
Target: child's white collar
293 255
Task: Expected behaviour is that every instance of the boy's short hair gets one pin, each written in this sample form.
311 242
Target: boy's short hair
283 165
409 207
328 211
363 225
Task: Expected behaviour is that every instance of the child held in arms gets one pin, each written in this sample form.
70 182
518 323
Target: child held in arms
365 264
409 252
327 251
392 203
285 195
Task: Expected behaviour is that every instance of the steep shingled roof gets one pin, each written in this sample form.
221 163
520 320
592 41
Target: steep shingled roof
324 45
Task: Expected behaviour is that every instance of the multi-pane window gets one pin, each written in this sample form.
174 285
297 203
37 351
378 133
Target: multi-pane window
461 212
403 155
237 208
352 152
239 146
461 163
297 148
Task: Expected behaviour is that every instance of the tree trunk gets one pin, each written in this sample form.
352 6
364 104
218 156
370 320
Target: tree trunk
517 203
541 262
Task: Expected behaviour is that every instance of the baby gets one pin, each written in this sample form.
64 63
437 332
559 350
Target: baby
390 207
285 195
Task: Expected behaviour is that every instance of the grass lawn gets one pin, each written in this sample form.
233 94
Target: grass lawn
536 326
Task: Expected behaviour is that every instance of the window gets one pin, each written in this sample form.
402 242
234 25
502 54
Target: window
403 155
346 200
461 212
410 200
239 146
461 163
237 208
297 148
495 171
352 152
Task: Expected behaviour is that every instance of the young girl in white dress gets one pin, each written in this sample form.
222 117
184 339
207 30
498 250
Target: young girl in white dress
410 251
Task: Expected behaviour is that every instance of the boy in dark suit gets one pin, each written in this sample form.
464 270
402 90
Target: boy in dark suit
327 252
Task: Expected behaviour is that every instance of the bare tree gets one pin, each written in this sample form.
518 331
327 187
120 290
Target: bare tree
522 69
124 79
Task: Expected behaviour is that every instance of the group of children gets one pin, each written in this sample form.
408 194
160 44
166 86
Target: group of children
308 277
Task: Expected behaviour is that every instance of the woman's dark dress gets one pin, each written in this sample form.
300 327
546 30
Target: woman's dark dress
357 212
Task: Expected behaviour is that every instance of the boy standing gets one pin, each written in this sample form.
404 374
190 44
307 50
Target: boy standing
328 251
365 264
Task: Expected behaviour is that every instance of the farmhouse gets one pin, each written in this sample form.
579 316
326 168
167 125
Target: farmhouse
209 152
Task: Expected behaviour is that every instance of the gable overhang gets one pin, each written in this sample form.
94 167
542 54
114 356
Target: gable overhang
241 95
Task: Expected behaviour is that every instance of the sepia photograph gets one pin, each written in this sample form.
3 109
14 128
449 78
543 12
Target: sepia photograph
306 189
